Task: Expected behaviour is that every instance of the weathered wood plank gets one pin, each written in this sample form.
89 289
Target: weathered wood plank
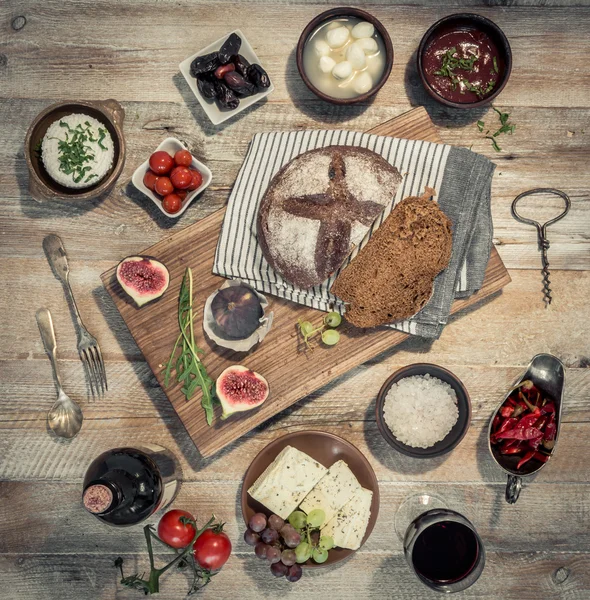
139 396
130 222
518 313
507 576
25 520
108 51
29 453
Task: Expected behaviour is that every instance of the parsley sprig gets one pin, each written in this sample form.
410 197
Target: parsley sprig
505 127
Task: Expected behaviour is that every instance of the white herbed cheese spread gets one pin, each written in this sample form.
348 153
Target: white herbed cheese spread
77 151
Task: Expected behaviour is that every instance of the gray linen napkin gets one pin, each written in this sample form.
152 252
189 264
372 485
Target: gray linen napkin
461 178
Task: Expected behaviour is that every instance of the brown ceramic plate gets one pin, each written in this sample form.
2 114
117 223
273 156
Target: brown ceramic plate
326 448
41 186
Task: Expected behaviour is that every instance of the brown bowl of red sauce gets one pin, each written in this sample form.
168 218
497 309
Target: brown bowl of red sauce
464 60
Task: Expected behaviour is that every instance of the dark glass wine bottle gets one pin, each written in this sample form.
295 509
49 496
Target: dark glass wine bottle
125 486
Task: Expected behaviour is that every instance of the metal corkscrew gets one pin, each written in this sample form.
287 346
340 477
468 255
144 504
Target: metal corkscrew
542 233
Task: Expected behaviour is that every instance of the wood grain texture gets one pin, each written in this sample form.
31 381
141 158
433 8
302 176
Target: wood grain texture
129 50
281 358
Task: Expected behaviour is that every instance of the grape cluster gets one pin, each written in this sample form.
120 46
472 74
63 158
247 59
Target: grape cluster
285 545
312 545
273 540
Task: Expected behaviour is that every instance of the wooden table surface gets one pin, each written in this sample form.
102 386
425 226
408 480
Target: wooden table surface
130 50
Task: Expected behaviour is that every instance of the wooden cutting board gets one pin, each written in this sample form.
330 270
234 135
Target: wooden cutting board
291 373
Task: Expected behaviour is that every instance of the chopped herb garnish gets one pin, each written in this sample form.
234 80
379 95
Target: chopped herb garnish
495 61
101 135
480 125
92 176
494 143
74 151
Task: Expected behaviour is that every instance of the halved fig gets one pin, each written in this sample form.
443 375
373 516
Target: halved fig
240 389
143 278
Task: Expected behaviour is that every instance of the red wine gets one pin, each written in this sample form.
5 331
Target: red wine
445 552
125 486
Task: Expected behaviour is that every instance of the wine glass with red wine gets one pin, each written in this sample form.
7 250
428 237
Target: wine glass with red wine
441 546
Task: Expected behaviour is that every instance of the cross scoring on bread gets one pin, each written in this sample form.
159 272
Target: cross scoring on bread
336 231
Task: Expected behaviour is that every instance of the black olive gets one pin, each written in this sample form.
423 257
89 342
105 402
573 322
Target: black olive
241 64
239 85
230 47
258 76
204 64
226 98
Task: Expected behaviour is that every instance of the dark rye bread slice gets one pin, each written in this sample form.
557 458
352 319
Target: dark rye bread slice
392 277
319 206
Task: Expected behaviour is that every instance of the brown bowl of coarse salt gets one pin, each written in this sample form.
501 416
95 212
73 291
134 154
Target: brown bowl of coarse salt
423 410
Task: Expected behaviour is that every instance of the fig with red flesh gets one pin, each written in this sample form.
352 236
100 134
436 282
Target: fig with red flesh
143 278
237 311
239 389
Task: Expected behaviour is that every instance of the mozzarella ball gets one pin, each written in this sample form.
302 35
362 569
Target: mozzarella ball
321 48
363 30
369 45
362 83
333 25
342 70
336 38
355 55
327 63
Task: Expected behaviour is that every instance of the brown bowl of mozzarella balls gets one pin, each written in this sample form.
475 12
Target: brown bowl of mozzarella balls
344 55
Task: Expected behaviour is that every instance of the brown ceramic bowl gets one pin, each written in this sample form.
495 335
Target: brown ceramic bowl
328 16
468 21
326 448
41 186
457 433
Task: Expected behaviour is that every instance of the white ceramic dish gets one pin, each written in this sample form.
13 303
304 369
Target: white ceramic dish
215 115
171 145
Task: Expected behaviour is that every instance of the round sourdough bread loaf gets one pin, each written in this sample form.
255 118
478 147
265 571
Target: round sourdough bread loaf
319 206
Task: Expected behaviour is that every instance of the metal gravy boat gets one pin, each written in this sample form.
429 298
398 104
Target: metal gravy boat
548 375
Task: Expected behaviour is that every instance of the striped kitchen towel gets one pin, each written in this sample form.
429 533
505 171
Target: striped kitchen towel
461 178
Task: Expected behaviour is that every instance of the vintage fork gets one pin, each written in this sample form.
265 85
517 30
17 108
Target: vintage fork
88 347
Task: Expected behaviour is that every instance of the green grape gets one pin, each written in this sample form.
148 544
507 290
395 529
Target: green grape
306 328
332 319
320 555
330 337
303 552
326 542
298 519
316 518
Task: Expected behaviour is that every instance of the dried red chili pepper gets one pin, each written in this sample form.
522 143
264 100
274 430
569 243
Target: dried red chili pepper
525 459
496 423
506 411
542 457
511 447
549 408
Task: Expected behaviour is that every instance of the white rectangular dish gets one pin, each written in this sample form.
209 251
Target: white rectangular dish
210 107
172 145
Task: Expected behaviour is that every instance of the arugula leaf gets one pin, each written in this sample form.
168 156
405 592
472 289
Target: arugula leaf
190 371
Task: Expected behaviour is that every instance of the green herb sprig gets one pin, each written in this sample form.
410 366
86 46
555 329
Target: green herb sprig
505 127
190 370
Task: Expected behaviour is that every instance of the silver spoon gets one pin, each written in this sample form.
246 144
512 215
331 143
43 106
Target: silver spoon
65 416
